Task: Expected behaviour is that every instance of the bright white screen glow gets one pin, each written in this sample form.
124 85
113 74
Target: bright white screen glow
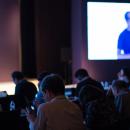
9 87
105 23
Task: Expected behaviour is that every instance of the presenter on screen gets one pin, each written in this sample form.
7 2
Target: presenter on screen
123 51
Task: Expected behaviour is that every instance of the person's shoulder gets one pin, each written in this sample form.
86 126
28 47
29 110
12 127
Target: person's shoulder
44 106
94 82
83 81
47 106
25 84
30 83
55 104
124 32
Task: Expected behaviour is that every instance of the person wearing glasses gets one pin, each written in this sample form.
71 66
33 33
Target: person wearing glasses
123 46
39 95
57 113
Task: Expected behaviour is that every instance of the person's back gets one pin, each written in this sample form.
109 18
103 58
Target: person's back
101 115
58 113
123 104
90 81
122 101
62 114
98 112
26 89
122 98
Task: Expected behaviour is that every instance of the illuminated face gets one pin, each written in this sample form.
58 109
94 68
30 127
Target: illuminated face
45 93
122 72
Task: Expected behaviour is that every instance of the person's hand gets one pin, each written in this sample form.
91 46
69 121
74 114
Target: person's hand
36 103
31 116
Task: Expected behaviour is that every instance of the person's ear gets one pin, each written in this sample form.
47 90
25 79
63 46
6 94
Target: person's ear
15 80
50 94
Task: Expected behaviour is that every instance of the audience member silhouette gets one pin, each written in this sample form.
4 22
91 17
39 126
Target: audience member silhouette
84 78
58 113
122 102
24 89
124 74
122 97
99 112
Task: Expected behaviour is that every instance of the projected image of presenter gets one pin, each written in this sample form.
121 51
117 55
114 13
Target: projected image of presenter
123 46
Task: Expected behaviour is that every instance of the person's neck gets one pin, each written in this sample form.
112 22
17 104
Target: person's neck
56 97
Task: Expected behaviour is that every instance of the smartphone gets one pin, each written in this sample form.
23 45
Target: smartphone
30 109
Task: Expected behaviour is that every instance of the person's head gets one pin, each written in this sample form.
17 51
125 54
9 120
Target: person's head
41 76
118 86
125 71
81 73
124 74
52 86
39 96
17 76
127 18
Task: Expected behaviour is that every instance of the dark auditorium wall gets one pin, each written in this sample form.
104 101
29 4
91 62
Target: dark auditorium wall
28 51
9 38
52 26
46 37
49 30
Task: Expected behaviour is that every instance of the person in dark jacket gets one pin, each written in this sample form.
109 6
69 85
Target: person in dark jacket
83 79
24 89
99 112
39 96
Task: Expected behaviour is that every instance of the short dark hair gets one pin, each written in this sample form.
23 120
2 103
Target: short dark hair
18 75
53 83
126 15
42 75
81 72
